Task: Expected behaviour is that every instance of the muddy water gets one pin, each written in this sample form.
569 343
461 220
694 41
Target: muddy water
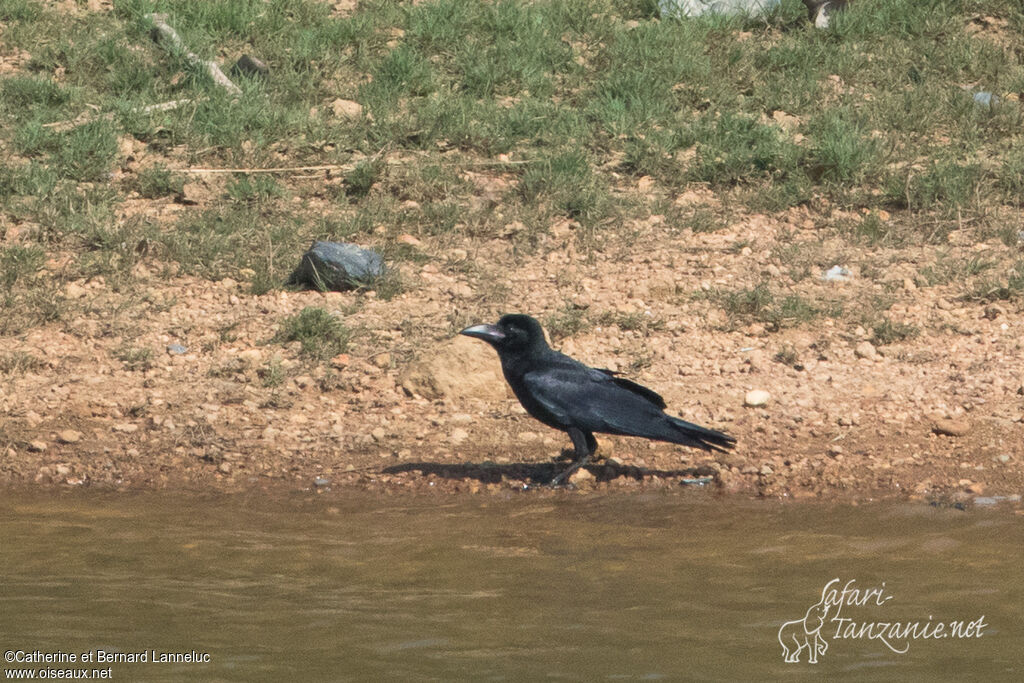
527 588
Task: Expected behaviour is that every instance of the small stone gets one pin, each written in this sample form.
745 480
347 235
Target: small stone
192 193
341 361
459 254
176 349
952 427
731 459
994 311
378 434
69 436
581 476
74 291
382 360
977 488
458 436
1003 459
756 397
865 350
225 467
408 239
835 449
125 427
346 109
321 482
37 446
749 469
765 470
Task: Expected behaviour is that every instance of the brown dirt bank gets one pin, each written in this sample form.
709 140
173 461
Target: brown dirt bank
98 400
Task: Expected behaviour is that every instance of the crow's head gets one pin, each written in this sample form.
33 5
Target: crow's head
514 333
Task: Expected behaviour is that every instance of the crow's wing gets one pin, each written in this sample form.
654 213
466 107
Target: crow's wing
594 400
652 396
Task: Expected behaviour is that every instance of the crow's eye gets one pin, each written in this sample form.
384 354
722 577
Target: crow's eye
517 336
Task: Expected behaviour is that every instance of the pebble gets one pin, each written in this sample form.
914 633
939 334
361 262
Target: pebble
176 349
378 434
62 470
74 291
865 350
320 482
458 435
225 467
580 476
69 436
37 446
125 427
1004 458
952 427
756 397
346 109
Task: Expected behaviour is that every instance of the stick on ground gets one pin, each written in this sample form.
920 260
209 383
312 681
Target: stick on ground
162 29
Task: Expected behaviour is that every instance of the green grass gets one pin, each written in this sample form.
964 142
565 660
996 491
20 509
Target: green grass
889 332
320 334
582 96
762 304
159 181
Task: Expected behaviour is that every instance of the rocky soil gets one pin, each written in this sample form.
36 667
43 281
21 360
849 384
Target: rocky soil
819 409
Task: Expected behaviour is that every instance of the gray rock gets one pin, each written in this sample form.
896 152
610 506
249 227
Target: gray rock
696 8
337 266
986 99
176 349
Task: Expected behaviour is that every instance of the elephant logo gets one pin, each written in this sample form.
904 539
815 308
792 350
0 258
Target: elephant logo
805 634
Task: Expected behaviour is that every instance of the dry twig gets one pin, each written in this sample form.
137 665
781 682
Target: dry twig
162 28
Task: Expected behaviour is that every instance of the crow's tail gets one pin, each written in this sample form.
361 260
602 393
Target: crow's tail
702 437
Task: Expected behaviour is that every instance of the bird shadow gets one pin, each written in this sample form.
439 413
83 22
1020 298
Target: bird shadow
543 473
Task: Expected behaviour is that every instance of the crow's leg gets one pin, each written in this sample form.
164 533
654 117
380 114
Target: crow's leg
584 444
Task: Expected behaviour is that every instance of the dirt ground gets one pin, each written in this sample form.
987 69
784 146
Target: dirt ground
177 381
938 417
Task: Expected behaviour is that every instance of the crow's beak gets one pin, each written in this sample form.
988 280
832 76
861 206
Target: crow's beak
491 334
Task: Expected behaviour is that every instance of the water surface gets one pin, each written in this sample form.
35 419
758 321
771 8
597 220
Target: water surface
631 587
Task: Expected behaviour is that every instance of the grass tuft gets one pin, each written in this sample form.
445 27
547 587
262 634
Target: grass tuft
321 334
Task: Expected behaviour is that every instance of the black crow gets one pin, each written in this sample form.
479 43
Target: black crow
566 394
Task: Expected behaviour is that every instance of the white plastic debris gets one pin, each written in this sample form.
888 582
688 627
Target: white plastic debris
836 274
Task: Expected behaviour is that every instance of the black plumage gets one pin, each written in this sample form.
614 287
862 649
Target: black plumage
565 394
